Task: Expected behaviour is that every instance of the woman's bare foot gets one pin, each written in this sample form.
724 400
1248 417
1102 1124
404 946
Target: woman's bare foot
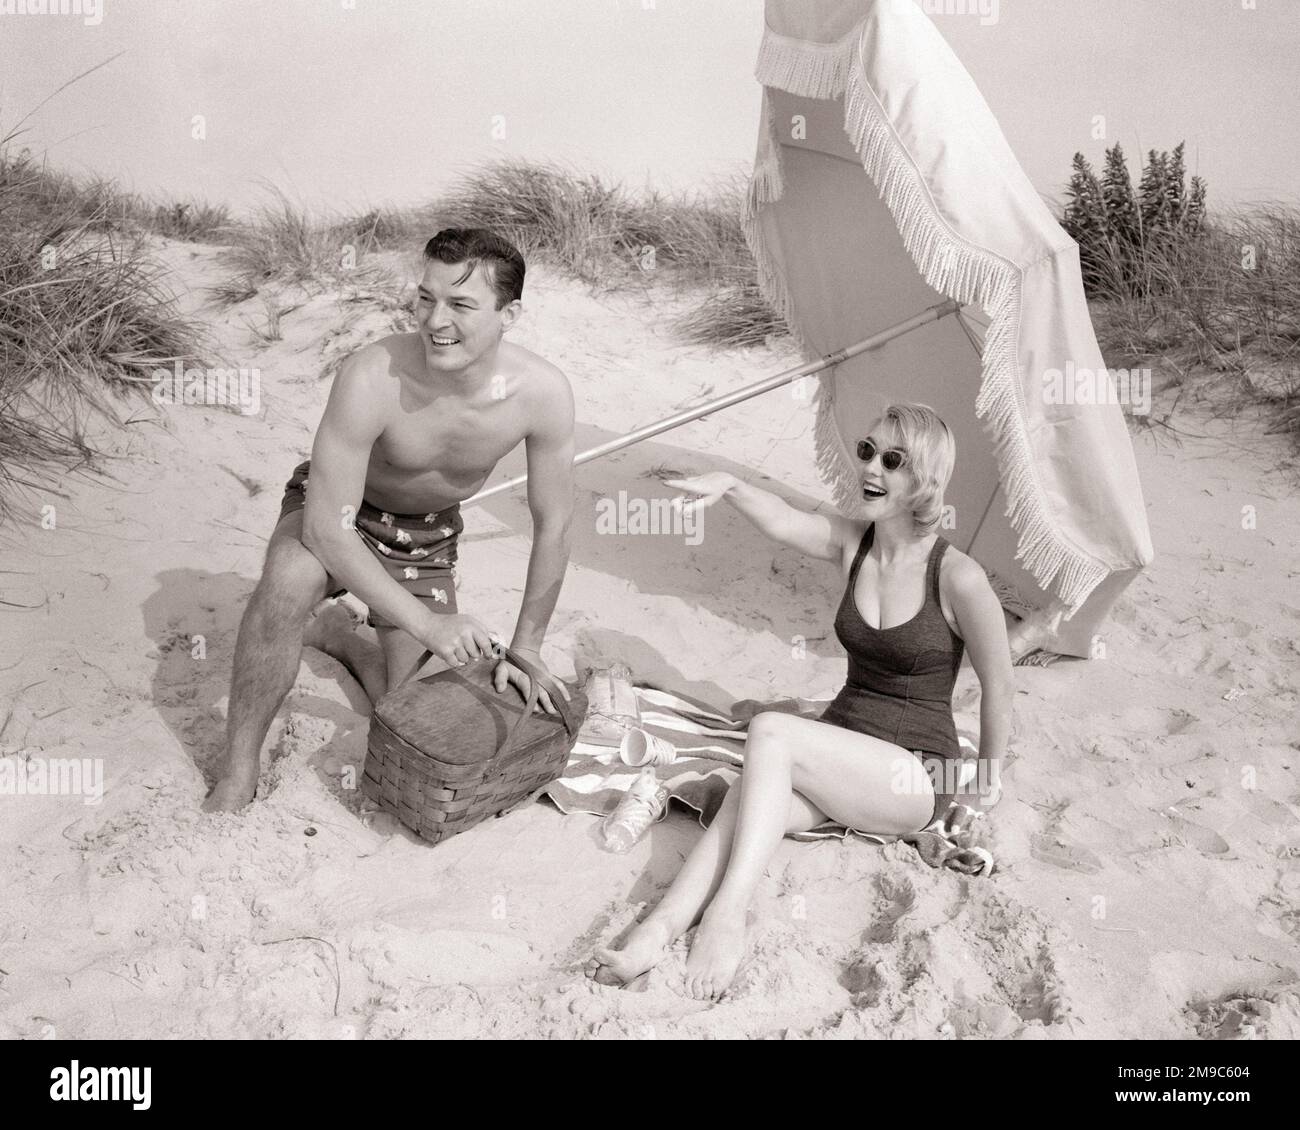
716 953
334 631
233 792
642 951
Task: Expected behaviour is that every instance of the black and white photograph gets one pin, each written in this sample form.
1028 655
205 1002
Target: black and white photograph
650 520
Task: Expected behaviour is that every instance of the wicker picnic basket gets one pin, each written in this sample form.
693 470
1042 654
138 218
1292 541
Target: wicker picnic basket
448 750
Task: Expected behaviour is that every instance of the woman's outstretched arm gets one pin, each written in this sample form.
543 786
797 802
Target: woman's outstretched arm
824 536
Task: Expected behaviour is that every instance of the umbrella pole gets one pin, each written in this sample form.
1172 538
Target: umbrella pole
933 314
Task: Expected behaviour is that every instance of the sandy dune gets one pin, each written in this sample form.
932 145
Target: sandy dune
1147 842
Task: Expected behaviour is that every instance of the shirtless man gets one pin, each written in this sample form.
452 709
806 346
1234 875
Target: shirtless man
414 425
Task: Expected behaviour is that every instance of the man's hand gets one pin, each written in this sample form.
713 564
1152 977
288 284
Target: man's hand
456 640
508 674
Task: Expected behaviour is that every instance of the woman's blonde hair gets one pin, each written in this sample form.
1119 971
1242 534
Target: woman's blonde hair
931 453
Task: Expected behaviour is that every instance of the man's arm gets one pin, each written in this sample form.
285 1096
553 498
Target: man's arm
549 446
353 420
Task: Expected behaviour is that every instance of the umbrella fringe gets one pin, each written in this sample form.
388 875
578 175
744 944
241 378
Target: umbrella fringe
964 272
766 183
766 186
812 70
969 275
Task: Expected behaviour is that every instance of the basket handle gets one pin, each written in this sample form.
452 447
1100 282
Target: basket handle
536 678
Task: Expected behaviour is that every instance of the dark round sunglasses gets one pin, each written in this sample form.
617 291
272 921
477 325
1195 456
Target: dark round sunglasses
891 460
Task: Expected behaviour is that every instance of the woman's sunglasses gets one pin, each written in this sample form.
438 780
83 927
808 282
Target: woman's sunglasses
891 460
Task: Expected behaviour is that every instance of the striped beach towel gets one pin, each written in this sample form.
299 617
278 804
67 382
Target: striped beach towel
710 753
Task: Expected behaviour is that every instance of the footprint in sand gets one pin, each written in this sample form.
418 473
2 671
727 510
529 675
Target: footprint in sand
1267 810
1059 853
897 897
1041 996
1205 840
1247 1015
1179 721
863 980
985 1020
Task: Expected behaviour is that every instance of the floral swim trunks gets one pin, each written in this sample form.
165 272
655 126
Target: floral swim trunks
417 550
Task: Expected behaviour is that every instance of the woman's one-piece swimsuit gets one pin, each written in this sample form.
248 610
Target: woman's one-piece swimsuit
900 679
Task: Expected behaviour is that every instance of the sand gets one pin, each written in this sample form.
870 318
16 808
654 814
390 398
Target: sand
1146 840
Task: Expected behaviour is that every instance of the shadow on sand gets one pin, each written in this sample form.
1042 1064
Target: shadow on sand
193 616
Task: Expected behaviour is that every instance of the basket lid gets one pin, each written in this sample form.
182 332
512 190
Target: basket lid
458 717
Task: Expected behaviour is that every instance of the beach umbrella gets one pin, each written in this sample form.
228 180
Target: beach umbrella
909 254
882 185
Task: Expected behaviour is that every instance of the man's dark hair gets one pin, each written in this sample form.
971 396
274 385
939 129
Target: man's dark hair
502 262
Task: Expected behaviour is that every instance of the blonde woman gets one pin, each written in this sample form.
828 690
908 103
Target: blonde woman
912 605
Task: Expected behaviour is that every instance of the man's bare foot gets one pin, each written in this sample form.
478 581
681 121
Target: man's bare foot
334 631
642 951
716 953
233 792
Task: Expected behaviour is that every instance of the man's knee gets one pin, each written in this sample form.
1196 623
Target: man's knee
293 581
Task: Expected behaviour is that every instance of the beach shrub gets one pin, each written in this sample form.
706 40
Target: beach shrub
597 232
1126 238
604 234
31 190
1223 310
83 319
736 315
281 244
1200 293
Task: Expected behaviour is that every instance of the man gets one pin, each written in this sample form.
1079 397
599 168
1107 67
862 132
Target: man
414 425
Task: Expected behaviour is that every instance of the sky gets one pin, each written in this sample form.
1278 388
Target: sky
345 104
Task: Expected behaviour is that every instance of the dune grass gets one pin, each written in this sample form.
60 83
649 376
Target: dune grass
1216 296
281 245
601 234
1221 296
606 235
1229 292
83 318
1222 308
32 190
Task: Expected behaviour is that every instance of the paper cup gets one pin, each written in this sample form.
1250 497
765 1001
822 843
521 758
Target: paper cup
641 748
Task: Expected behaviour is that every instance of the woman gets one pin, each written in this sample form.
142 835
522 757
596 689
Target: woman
912 605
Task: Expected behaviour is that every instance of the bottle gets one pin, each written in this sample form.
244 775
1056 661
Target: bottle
612 707
640 807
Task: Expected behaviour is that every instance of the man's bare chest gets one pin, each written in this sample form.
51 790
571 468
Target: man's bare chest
451 437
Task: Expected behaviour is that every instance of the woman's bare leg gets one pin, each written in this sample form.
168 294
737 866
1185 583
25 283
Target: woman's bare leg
798 772
691 890
856 780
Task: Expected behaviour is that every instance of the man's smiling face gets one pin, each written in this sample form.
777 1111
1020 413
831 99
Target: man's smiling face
457 315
